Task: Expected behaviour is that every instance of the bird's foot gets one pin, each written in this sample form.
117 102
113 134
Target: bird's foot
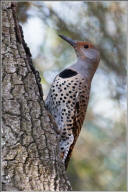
55 127
62 155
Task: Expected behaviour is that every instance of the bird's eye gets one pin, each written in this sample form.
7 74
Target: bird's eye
86 46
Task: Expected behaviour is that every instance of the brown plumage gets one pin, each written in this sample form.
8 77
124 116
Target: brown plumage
69 94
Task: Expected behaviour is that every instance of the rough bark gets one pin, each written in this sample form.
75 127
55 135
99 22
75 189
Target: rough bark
30 154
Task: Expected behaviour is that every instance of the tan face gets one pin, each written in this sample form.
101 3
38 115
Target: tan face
80 47
85 50
84 44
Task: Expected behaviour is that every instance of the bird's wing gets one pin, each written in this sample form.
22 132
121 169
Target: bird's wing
77 123
80 108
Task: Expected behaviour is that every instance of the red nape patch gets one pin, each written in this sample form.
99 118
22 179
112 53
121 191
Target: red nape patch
85 44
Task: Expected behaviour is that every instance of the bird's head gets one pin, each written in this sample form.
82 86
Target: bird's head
84 50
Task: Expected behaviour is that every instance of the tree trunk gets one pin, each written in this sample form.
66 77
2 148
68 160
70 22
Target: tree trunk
30 153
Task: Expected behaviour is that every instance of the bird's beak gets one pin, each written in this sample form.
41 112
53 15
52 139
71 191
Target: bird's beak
70 41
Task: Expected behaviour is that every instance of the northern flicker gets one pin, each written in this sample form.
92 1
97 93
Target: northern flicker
68 97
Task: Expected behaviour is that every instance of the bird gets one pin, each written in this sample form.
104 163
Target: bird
68 96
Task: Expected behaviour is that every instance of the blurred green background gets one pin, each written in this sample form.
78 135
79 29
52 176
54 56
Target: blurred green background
99 158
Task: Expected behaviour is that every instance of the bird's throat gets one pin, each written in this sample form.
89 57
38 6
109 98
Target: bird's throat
85 68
